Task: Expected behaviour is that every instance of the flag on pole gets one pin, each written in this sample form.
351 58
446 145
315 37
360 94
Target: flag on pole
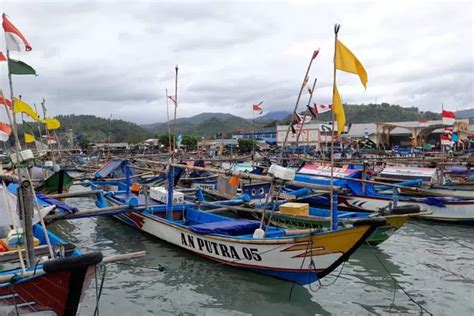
5 132
23 107
423 122
52 140
448 117
346 61
173 99
6 102
338 111
446 140
17 67
2 57
52 123
13 37
301 119
448 130
321 108
29 138
315 53
258 108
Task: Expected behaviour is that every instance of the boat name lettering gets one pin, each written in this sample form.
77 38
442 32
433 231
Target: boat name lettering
219 249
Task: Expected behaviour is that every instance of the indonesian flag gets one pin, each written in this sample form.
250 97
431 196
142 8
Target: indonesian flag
448 130
423 122
6 102
2 57
52 140
446 140
258 108
5 132
448 117
302 119
13 37
321 108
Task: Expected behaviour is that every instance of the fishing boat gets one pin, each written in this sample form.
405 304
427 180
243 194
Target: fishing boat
56 283
364 196
293 255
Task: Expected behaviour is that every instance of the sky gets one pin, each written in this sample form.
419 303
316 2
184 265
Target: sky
118 57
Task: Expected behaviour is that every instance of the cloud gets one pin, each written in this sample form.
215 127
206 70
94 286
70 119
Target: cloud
117 57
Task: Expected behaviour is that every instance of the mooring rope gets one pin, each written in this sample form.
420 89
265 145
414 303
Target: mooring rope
98 291
422 309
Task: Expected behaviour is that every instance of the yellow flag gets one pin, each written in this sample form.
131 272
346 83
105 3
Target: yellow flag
29 138
21 106
51 123
338 111
346 61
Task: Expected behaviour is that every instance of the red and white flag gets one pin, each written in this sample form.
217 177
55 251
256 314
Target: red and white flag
448 117
448 130
321 108
423 122
2 57
258 108
5 132
52 140
302 119
13 37
6 102
446 140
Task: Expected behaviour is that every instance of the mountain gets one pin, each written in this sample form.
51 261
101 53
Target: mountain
464 114
273 116
205 124
95 129
196 119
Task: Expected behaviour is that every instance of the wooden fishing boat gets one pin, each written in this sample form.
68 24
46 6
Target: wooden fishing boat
52 287
59 182
297 256
364 197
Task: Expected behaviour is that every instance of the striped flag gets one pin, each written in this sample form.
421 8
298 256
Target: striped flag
13 37
5 132
258 108
448 117
321 108
423 122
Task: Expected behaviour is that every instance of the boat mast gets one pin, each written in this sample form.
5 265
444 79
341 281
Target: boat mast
331 183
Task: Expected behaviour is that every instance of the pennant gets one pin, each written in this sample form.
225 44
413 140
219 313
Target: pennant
173 99
6 102
258 108
52 140
5 132
29 138
23 107
13 37
51 123
2 57
346 61
321 108
315 53
338 111
448 117
17 67
423 122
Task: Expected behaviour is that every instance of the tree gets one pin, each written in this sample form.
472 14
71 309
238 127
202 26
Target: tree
165 140
246 145
190 142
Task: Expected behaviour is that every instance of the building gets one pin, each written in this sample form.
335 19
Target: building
267 134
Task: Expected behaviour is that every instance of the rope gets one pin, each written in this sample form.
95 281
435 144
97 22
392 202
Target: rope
422 309
446 236
99 293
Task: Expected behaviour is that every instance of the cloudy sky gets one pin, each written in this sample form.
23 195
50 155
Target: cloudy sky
118 57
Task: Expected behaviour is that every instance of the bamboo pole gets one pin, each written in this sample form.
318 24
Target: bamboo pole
304 116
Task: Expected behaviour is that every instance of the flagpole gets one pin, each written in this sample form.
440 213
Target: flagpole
298 101
169 122
50 148
253 133
304 116
12 98
331 184
175 107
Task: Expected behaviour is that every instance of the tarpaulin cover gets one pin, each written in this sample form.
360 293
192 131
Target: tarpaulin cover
232 228
60 205
113 169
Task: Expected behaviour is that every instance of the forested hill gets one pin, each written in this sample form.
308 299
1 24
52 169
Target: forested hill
96 129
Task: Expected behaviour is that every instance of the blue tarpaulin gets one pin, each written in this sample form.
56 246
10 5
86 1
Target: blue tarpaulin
232 228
